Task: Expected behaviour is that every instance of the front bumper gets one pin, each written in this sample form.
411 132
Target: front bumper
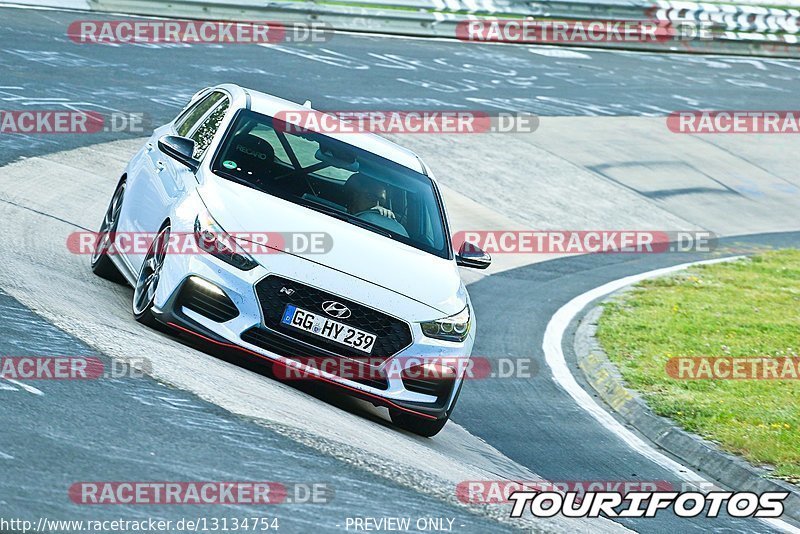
240 288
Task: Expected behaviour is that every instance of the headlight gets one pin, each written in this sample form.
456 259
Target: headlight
453 328
213 239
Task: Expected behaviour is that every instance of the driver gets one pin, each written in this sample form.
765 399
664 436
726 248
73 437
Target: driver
364 193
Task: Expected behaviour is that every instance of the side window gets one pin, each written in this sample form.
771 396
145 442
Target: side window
205 133
185 123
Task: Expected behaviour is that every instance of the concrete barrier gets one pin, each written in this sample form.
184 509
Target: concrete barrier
729 28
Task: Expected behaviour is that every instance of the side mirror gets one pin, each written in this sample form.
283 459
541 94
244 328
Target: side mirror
471 255
180 149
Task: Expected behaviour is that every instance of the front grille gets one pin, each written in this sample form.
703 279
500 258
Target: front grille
199 296
294 350
275 293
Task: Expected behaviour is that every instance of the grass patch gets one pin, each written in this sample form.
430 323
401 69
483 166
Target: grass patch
747 308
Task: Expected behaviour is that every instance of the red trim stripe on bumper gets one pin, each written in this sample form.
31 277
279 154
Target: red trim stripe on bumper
358 392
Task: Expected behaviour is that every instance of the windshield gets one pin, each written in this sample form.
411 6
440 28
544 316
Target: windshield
334 178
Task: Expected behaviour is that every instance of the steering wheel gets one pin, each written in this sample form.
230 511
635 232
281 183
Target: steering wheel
388 223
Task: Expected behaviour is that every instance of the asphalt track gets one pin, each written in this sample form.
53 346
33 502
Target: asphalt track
42 67
226 422
130 428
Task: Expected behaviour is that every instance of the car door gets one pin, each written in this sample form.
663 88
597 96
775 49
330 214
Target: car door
156 182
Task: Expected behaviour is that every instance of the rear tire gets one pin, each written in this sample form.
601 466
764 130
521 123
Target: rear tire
102 265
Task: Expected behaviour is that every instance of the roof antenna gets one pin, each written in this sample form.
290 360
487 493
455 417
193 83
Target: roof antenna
307 104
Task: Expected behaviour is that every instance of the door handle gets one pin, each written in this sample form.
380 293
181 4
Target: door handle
159 166
149 147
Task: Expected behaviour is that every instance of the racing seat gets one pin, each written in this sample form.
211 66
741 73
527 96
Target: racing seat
255 157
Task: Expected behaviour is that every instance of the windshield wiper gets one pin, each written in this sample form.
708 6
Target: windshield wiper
343 216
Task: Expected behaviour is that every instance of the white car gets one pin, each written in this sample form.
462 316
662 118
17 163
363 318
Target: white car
380 303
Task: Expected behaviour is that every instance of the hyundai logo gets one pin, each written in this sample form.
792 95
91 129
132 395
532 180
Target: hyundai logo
336 309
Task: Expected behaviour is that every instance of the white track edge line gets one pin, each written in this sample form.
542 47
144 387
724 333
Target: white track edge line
554 356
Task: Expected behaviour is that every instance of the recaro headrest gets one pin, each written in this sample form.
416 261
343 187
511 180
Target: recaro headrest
252 154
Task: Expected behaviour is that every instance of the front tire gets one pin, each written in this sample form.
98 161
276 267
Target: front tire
417 425
420 426
102 265
144 293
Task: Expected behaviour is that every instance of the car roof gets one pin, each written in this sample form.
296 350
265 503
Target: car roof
271 105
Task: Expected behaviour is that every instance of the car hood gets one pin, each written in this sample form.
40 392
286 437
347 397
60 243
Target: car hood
360 253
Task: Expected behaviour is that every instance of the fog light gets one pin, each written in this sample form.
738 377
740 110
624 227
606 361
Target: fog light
205 284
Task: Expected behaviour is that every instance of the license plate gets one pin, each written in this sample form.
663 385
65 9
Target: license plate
321 326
